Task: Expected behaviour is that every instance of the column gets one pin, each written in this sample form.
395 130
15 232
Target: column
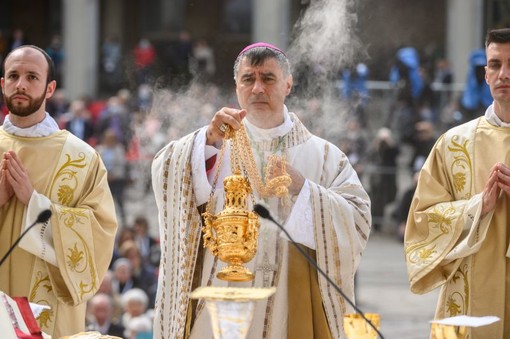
271 22
81 41
464 34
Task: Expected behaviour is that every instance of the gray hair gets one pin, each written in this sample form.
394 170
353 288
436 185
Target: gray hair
257 55
135 294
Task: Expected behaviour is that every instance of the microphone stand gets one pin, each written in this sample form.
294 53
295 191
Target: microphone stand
42 218
264 213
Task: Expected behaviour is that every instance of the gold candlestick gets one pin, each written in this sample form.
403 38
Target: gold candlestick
442 331
356 327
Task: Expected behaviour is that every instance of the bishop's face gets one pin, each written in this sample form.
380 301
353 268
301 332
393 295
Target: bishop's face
262 90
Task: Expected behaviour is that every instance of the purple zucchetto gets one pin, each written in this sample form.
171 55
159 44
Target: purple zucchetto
260 44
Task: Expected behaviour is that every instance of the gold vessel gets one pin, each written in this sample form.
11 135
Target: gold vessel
442 331
232 234
356 327
231 309
235 229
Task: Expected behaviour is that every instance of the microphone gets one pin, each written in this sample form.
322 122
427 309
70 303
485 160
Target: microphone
264 213
42 218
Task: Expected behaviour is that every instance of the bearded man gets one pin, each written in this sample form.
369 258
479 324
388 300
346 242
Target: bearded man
59 263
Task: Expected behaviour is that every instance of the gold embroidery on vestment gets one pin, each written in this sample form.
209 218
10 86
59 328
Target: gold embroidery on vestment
457 303
461 166
440 220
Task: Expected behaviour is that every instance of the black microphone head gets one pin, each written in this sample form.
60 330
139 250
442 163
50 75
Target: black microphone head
43 217
262 211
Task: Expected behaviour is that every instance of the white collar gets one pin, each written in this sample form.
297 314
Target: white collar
493 118
260 134
42 129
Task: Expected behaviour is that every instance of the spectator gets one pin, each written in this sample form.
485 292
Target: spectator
144 275
383 177
113 155
114 116
100 310
355 90
3 46
476 96
143 100
134 304
139 328
111 55
144 56
58 104
202 63
405 75
56 52
78 121
122 276
402 208
424 140
17 39
183 53
124 234
147 245
443 78
106 287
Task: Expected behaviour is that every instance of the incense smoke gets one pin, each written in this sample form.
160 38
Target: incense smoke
322 43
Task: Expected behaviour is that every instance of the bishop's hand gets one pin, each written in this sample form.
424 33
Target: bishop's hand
225 116
297 178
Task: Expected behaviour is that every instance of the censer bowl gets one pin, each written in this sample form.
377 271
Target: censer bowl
236 243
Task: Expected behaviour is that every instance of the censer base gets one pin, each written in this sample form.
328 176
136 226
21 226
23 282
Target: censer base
235 273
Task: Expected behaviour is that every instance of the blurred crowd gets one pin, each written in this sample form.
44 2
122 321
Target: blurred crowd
129 124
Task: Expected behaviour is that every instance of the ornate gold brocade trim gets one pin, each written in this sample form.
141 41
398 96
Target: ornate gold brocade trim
65 189
461 167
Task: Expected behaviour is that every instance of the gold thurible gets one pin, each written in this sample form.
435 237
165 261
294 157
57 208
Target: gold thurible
236 230
232 234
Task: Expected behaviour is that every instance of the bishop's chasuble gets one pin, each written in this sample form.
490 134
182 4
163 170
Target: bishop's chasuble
335 206
447 244
62 262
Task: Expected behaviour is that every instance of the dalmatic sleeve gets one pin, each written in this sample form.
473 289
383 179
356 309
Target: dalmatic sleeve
84 226
345 205
441 230
342 219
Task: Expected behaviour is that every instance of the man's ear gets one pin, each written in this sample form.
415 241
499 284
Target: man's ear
50 89
290 82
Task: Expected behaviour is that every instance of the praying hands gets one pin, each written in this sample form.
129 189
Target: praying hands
14 179
499 179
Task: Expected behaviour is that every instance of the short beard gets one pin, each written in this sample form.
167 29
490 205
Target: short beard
33 105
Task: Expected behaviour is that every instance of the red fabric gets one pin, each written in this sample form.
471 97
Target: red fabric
133 152
95 108
144 57
28 317
209 163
